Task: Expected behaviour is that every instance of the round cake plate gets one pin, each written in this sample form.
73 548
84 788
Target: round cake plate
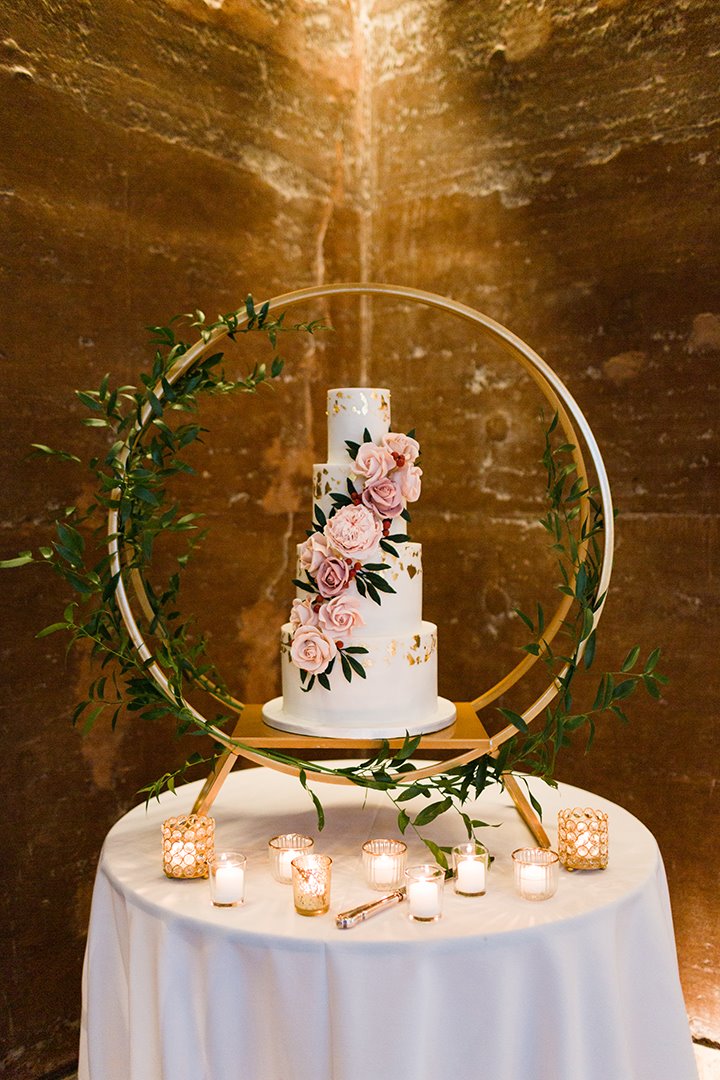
275 716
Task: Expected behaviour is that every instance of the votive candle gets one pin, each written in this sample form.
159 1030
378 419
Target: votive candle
425 892
227 879
384 863
470 861
311 884
281 852
536 873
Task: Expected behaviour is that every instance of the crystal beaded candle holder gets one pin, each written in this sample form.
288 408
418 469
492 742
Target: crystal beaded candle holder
311 884
384 863
188 843
536 872
227 878
470 863
425 892
281 852
583 839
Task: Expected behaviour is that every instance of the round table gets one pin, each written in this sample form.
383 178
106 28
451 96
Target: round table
580 987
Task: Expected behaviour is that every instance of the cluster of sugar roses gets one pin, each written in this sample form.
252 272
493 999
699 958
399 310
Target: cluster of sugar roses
339 550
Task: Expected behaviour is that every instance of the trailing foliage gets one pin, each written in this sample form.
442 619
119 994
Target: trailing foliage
146 431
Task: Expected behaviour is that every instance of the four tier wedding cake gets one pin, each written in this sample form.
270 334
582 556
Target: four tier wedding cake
357 658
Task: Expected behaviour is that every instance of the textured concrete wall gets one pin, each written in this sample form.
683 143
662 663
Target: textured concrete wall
554 165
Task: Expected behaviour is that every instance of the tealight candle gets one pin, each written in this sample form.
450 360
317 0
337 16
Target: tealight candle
384 863
536 873
424 892
281 852
227 879
470 861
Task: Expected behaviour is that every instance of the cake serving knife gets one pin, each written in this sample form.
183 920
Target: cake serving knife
347 919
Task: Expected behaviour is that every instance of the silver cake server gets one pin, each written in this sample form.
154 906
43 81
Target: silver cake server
346 919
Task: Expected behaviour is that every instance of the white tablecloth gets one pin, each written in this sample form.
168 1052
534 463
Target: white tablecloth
581 987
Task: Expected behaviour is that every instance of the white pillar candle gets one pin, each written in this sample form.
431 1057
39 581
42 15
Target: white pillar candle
424 899
285 863
471 875
229 885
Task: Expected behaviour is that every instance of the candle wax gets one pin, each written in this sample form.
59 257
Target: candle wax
384 869
534 879
471 876
284 863
229 884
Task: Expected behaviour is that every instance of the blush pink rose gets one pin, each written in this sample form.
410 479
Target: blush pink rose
312 650
397 443
384 498
312 553
333 577
339 617
410 480
303 613
373 462
354 532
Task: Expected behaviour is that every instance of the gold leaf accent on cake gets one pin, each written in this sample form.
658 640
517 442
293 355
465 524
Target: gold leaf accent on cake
416 641
412 571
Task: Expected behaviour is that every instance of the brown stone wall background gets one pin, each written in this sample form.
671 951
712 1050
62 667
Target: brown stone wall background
554 165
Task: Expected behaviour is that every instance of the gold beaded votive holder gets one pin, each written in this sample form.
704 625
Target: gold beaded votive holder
188 845
583 839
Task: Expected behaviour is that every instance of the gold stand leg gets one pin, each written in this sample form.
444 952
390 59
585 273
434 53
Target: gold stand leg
525 810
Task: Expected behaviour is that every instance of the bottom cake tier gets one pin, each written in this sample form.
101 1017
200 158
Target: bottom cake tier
398 694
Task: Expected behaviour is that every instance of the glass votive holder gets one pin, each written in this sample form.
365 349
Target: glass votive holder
188 843
281 852
583 839
425 892
384 863
536 872
470 863
311 884
227 879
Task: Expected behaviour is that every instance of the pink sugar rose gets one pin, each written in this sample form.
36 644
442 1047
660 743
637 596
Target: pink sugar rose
384 498
339 617
373 462
312 650
312 553
303 613
354 532
332 577
409 479
397 443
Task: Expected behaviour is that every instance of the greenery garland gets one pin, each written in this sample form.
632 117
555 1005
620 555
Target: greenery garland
132 477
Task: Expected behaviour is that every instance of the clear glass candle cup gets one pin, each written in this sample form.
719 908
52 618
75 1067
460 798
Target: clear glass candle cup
281 852
384 863
311 876
536 872
227 878
424 892
470 866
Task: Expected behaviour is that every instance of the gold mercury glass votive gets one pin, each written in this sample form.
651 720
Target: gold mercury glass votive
188 844
583 839
311 884
281 852
384 863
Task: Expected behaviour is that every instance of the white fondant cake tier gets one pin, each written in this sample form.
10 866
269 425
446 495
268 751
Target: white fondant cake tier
350 411
401 611
398 694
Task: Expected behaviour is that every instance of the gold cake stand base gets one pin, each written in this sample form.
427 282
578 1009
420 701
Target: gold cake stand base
461 742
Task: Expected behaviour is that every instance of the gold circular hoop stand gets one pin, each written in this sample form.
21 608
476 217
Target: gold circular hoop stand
569 413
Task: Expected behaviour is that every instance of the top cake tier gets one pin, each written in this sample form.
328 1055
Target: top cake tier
350 411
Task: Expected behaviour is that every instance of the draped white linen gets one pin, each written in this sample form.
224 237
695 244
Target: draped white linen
581 987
